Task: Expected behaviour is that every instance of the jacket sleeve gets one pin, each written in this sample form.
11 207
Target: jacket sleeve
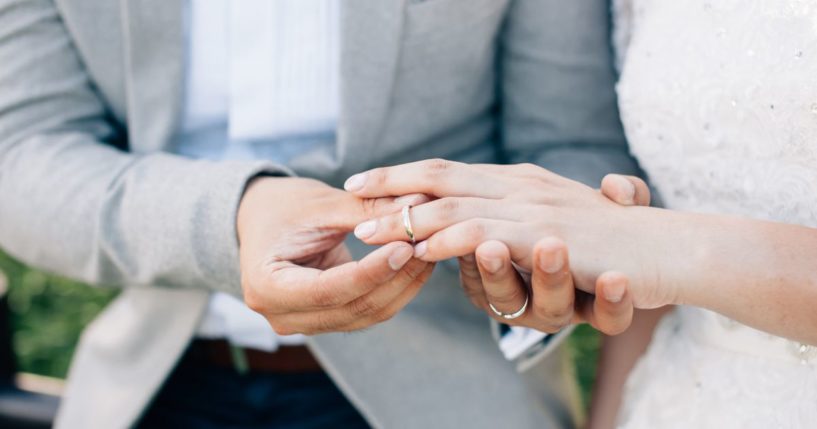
559 107
73 203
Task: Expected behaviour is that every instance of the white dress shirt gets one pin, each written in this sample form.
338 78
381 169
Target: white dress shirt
262 83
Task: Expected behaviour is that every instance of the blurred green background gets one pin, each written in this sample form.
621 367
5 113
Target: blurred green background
49 312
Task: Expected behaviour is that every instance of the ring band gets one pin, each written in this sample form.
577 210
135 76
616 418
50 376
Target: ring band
407 223
511 316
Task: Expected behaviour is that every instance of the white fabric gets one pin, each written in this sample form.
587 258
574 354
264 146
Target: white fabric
262 82
527 346
295 88
719 103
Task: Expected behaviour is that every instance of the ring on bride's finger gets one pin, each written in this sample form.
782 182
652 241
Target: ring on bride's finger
511 316
407 223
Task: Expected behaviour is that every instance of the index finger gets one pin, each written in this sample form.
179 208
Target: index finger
436 177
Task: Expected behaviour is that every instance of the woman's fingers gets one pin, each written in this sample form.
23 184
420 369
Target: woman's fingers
611 309
625 190
428 218
552 285
463 238
504 289
352 210
436 177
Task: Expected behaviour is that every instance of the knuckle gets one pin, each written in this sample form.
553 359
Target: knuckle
367 276
369 207
383 316
323 323
364 306
378 176
448 208
469 272
253 300
324 296
475 230
553 315
507 298
414 268
530 168
437 166
394 224
283 329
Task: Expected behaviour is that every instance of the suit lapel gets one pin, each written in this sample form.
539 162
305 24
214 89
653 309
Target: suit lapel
370 50
154 61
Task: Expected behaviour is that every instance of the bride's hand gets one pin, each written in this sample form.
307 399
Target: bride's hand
488 276
553 303
517 205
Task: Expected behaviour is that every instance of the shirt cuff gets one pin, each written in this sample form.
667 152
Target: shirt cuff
525 346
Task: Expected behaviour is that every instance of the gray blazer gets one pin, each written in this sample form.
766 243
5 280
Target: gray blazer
90 94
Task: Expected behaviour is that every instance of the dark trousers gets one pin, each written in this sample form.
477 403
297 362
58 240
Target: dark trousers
202 395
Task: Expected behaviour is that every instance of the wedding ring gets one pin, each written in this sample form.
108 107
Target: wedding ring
511 316
407 223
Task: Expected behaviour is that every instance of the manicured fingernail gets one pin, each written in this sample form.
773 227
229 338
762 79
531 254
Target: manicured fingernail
355 183
628 188
366 229
420 249
614 292
492 265
552 262
400 257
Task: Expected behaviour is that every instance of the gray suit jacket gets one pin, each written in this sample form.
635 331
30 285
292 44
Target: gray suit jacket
90 95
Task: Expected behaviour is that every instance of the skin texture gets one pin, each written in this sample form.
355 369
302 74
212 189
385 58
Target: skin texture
756 272
488 276
297 273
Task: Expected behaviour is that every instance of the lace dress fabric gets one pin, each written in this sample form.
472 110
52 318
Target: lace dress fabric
719 102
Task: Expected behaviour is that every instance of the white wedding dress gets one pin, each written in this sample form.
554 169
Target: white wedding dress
719 103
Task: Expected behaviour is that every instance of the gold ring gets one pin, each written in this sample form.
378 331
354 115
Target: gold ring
407 223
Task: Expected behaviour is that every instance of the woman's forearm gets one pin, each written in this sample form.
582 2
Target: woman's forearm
762 274
618 356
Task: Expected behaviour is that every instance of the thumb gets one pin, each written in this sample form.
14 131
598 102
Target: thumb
625 190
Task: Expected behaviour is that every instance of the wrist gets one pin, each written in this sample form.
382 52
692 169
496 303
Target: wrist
247 201
669 250
690 256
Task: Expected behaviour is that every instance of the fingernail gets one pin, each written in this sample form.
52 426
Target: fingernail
399 257
365 229
629 190
552 262
492 265
614 292
420 249
355 183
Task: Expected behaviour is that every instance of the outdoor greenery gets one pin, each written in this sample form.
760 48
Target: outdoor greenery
49 312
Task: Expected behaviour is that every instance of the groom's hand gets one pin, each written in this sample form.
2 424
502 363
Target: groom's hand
489 277
295 270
